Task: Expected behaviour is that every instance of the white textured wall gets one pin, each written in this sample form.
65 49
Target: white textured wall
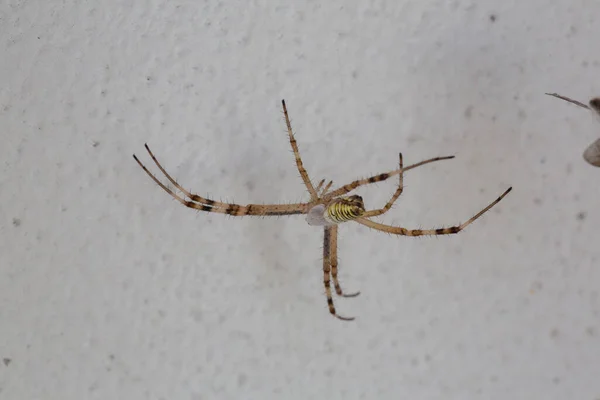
111 290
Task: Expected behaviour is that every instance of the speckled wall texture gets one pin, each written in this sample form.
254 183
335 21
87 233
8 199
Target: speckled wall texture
110 289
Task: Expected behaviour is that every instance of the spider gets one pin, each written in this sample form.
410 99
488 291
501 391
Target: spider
326 208
592 153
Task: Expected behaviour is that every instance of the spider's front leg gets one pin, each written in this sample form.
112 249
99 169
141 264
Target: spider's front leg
205 204
301 169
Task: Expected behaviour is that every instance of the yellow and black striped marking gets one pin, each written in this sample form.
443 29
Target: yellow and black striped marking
344 209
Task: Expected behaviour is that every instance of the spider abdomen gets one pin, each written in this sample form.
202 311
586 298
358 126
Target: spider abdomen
344 209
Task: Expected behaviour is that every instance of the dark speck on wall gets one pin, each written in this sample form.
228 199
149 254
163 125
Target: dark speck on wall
581 215
591 331
468 112
16 222
493 17
95 144
6 361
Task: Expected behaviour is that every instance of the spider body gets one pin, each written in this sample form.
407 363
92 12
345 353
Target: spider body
344 209
325 208
336 211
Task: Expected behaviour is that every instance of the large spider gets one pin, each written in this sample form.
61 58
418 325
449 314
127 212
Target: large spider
325 208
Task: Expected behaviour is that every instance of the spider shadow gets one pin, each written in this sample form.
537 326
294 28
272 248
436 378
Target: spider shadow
279 252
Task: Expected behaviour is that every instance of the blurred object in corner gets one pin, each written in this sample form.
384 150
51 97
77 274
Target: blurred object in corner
592 153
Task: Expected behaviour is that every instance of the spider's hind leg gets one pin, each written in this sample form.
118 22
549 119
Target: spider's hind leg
398 230
334 262
205 204
327 272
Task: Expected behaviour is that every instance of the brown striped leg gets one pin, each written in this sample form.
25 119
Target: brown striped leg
396 230
333 234
191 196
378 178
204 204
558 96
301 169
327 273
397 194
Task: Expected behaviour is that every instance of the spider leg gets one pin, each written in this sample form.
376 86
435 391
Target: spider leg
327 274
378 178
577 103
333 233
592 153
397 194
301 169
205 204
396 230
191 196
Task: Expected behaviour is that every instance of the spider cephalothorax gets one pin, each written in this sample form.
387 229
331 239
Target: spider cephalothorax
325 208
